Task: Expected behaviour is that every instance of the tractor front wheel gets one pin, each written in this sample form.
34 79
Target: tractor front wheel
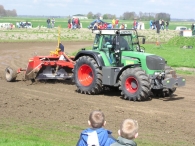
166 92
10 74
87 76
134 84
169 92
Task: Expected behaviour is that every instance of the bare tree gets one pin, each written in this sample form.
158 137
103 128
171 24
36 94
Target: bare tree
4 12
90 15
163 16
129 15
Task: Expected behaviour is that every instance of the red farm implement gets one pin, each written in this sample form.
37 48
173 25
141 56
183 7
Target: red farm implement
57 65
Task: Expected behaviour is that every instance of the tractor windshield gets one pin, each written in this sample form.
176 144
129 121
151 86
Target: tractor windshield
128 40
125 40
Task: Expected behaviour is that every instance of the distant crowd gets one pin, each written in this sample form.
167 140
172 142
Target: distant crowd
74 23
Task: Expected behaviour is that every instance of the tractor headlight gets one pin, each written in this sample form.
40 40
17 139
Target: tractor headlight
159 75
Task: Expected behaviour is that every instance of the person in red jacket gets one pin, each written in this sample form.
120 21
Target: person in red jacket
105 25
76 22
116 23
100 25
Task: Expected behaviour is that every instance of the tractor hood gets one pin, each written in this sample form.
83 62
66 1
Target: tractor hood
148 61
155 62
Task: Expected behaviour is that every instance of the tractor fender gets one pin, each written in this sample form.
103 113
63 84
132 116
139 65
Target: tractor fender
95 55
124 68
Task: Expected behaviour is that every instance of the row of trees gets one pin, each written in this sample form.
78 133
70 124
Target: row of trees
4 13
133 15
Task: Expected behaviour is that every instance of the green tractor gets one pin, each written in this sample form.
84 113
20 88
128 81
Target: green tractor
118 60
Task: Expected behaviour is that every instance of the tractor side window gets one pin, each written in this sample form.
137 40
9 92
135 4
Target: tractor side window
124 42
106 41
96 42
135 42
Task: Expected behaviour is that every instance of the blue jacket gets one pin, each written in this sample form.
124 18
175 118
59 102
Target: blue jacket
96 137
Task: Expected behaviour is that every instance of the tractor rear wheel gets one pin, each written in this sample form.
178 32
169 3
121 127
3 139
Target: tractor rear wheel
10 74
134 84
87 76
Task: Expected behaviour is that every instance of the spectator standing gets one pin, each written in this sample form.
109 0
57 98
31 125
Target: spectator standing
79 24
151 24
73 23
137 23
52 22
95 25
69 23
11 26
113 23
140 25
76 22
122 26
193 29
96 135
158 26
154 25
162 25
116 23
127 132
48 23
167 25
105 25
134 24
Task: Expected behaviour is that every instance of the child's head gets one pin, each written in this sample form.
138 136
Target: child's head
129 129
97 119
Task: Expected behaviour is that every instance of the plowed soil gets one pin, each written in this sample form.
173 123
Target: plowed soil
168 120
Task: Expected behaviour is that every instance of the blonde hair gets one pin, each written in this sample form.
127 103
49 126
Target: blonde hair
128 129
97 119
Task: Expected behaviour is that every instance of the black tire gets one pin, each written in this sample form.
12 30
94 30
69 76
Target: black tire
87 76
10 74
134 84
168 92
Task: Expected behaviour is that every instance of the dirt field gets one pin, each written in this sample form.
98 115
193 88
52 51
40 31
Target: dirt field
164 120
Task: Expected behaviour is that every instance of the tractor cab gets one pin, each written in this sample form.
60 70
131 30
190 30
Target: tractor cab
119 39
114 42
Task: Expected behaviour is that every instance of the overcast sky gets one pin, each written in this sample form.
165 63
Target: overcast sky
176 8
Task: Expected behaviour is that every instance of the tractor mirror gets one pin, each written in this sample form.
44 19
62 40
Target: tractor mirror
143 40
